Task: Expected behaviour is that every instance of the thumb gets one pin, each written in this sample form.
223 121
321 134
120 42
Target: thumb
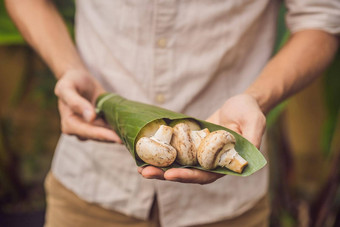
77 103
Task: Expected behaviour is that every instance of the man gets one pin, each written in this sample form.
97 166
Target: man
208 59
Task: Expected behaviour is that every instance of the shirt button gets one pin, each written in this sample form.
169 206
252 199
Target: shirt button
162 42
160 98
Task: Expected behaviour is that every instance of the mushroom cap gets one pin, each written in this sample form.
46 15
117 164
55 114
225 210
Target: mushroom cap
194 126
183 143
155 152
213 146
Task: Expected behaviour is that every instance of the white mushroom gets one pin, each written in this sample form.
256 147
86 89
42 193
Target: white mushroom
186 140
156 150
217 149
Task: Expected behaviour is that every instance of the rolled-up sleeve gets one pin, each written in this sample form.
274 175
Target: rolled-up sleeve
313 14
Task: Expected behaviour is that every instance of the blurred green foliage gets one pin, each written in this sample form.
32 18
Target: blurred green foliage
9 34
332 100
29 122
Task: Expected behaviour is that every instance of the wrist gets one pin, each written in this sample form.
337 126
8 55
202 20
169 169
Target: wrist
82 80
79 70
261 99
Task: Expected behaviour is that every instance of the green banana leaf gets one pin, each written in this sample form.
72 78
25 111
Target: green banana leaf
127 118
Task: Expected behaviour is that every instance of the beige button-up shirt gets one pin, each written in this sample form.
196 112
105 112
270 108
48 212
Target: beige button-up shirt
188 56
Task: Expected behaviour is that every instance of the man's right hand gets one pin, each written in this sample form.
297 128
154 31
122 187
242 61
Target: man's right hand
77 91
44 29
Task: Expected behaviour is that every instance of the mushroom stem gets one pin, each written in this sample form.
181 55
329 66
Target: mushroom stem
163 134
198 136
217 149
232 160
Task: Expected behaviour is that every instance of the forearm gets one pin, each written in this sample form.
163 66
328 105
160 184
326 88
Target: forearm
305 56
43 28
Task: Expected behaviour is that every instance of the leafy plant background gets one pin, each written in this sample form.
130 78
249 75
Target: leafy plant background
304 135
29 121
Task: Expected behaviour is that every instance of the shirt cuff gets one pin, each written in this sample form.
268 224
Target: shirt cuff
319 15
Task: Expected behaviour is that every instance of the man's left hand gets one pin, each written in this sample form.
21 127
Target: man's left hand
241 114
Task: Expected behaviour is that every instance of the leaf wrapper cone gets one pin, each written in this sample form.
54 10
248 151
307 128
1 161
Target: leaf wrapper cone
127 118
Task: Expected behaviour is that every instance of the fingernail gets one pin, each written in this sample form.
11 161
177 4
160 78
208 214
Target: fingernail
140 170
87 114
115 138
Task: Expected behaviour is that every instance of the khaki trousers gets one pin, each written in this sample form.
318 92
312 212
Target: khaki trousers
65 209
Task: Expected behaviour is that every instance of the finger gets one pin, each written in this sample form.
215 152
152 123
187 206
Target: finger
191 176
151 172
69 95
75 125
83 129
140 169
254 130
100 122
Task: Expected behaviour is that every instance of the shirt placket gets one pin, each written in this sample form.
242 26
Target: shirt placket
165 12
